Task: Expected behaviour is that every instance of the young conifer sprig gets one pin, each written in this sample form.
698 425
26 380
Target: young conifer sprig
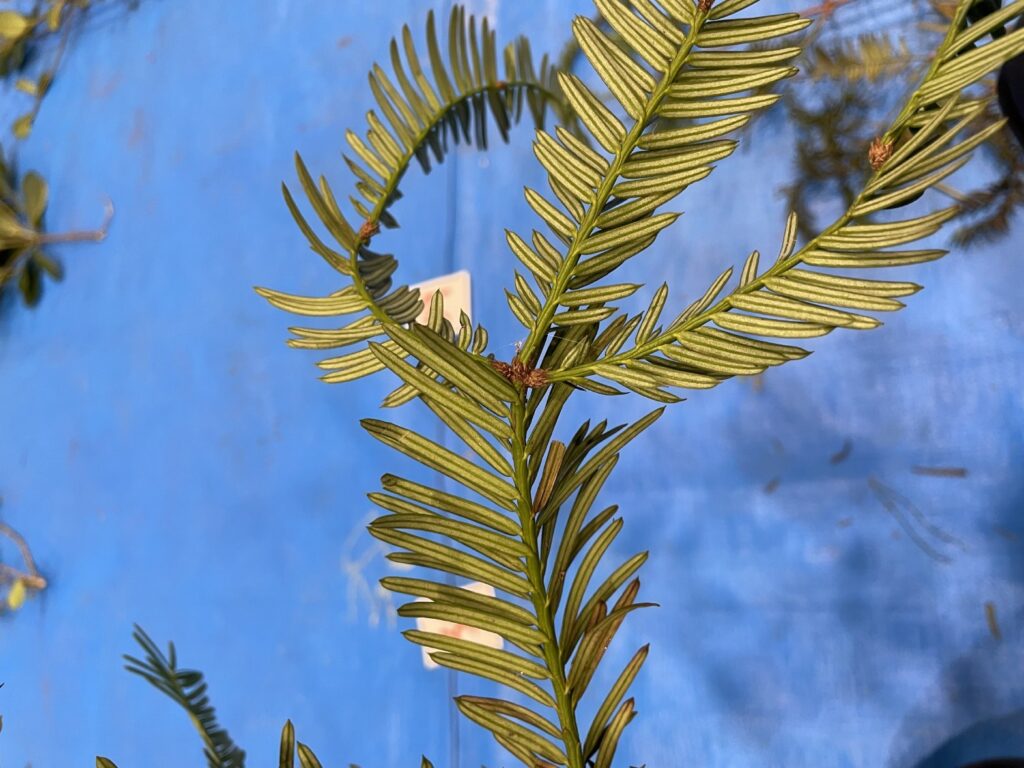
681 63
516 534
187 688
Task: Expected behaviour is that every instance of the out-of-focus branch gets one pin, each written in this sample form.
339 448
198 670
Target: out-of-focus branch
826 9
30 577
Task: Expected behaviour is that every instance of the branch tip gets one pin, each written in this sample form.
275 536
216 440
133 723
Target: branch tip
520 373
368 230
879 153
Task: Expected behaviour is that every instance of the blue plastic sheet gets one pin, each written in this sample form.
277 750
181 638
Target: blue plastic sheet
172 463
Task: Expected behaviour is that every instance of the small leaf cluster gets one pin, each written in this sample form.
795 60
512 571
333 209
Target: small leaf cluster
21 34
23 262
23 200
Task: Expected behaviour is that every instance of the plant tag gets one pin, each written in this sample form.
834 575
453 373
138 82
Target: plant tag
460 631
456 291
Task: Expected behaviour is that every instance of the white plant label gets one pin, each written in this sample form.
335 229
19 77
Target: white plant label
456 290
460 631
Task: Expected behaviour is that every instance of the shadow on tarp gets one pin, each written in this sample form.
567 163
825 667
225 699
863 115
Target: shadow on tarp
1002 736
988 727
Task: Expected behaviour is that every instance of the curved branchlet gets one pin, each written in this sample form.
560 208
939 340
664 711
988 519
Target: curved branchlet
474 87
750 328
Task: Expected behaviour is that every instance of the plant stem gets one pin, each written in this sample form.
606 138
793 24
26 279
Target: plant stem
35 239
542 607
77 236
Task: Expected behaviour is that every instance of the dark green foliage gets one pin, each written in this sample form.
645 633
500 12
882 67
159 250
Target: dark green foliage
831 163
188 689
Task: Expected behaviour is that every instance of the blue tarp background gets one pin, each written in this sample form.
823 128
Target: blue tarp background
173 463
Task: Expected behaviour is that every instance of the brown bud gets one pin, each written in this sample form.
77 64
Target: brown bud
368 230
535 378
519 372
704 5
879 153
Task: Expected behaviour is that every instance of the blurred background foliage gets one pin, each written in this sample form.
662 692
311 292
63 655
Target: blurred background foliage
18 580
855 81
33 41
22 208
